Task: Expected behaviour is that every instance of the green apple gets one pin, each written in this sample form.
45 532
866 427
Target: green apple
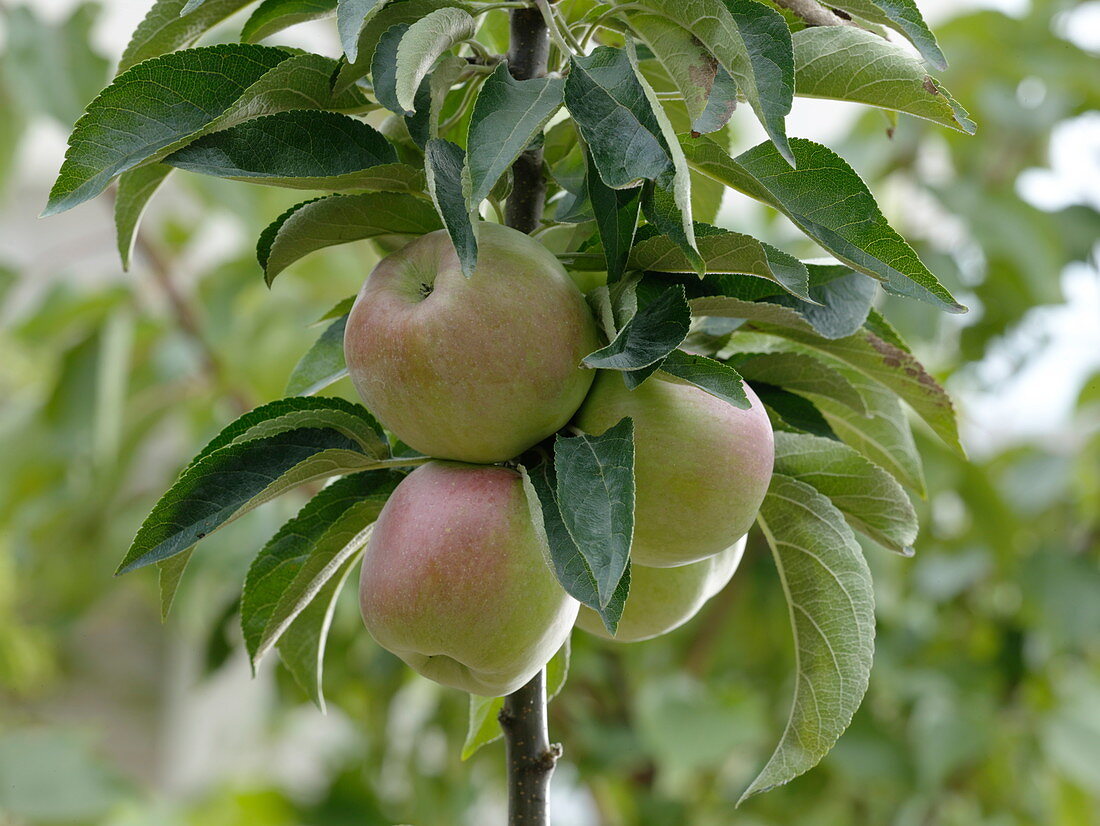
701 465
472 369
662 599
455 581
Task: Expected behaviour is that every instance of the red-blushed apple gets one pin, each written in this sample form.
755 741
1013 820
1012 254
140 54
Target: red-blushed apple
662 599
472 369
701 465
455 580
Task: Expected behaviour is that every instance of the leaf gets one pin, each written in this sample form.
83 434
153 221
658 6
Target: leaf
848 63
724 252
483 726
277 565
135 189
570 565
877 324
616 212
655 331
165 29
720 105
692 68
842 299
383 68
237 478
595 493
425 41
381 17
792 414
903 16
753 44
301 150
340 219
507 116
718 379
302 645
168 102
896 370
828 590
883 436
870 498
351 16
449 186
322 365
827 200
352 420
272 16
800 373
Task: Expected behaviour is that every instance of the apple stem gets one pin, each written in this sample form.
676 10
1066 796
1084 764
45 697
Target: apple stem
531 755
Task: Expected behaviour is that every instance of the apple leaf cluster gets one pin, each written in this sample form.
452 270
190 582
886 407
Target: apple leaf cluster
414 129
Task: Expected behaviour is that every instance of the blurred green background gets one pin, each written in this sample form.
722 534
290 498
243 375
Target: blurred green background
984 704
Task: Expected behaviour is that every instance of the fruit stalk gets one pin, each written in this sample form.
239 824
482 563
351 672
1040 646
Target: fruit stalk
531 757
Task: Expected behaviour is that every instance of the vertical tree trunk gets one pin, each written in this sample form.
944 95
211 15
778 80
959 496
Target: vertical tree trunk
531 757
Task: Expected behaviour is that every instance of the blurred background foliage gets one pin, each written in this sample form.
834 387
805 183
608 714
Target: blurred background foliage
984 705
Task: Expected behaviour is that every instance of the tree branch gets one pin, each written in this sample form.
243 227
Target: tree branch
531 757
813 13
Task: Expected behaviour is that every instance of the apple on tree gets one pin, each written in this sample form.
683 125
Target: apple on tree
701 465
456 584
473 369
662 599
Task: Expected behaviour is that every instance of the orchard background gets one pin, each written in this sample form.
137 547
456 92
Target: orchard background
984 705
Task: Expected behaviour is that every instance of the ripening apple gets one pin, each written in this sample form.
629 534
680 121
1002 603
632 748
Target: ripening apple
472 369
455 581
701 465
662 599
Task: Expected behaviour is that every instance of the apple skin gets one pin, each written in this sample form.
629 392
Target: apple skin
471 369
455 581
662 599
701 465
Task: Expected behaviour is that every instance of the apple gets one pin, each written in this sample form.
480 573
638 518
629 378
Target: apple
662 599
472 369
701 465
455 580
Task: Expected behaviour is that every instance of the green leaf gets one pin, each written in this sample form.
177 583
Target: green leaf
383 68
169 574
166 103
720 106
595 493
800 373
767 312
570 565
382 17
903 16
322 365
616 212
692 68
718 379
842 300
351 17
643 342
165 28
135 189
340 219
883 435
724 252
278 564
832 611
272 16
507 116
829 202
237 478
483 727
423 44
791 413
306 553
753 44
302 645
352 420
878 324
848 63
870 498
449 186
